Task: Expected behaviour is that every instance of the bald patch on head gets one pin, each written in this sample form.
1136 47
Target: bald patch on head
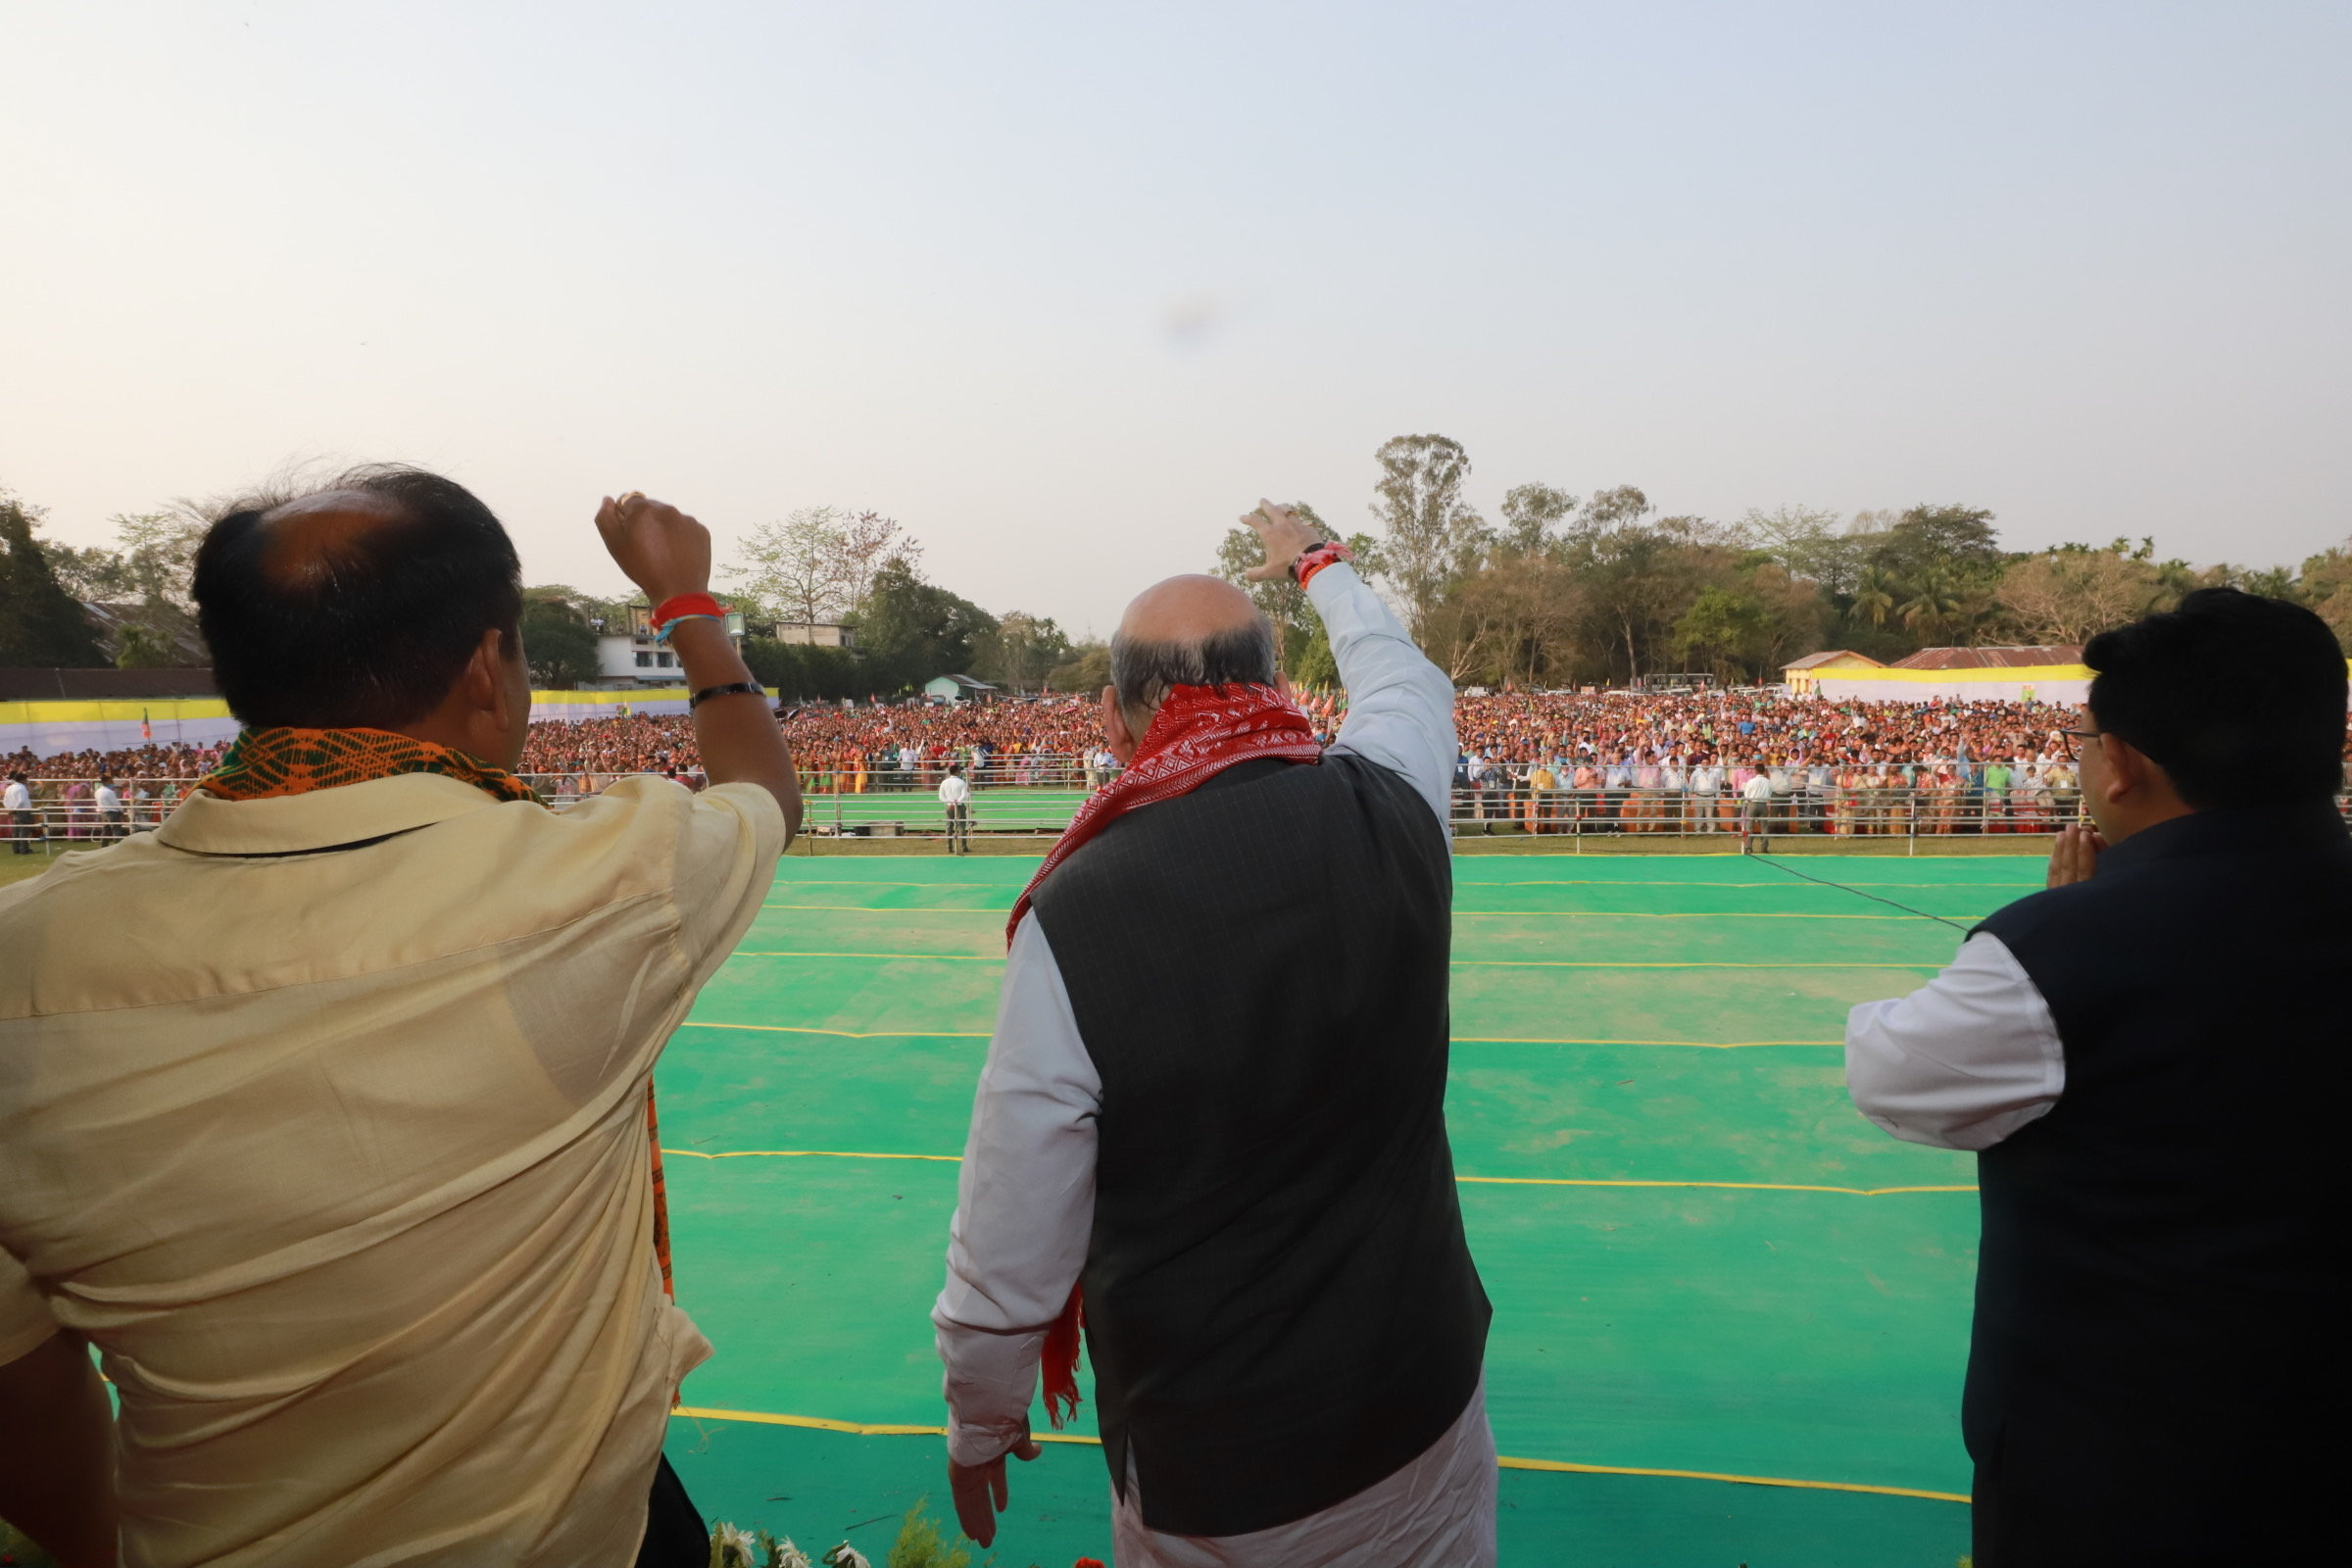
311 539
1185 610
1187 631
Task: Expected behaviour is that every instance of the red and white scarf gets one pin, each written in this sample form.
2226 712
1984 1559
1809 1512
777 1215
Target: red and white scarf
1198 732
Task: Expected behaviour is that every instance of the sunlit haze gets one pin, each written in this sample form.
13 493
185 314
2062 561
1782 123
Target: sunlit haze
1065 288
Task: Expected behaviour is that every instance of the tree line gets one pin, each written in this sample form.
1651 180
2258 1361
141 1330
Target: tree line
1555 590
816 567
1561 590
820 567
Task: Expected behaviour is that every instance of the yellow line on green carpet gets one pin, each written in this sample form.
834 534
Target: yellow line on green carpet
1496 963
1459 915
1497 1181
1459 1040
876 1429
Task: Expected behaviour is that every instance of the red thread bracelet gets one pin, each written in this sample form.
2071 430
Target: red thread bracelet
677 604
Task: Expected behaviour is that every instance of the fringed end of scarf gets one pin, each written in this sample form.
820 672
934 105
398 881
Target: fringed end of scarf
1057 1360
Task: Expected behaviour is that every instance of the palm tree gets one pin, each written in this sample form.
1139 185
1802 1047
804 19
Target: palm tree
1874 594
1936 602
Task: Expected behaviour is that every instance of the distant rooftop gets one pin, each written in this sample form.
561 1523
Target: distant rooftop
1832 656
1992 657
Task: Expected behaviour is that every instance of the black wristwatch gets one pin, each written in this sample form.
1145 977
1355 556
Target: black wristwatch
733 688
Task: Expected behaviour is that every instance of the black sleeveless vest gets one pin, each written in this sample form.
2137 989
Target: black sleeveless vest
2158 1359
1281 1308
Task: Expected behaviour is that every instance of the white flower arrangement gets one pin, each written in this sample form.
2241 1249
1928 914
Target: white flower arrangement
731 1547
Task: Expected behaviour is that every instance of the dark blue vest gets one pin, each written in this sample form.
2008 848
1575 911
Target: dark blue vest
2159 1345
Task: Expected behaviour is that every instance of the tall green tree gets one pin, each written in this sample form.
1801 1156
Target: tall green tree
1084 672
1615 507
557 643
1430 536
1020 650
2327 585
2072 593
1934 603
159 552
802 673
1958 538
139 647
154 558
1875 595
1718 631
1814 544
41 625
913 630
1532 517
800 568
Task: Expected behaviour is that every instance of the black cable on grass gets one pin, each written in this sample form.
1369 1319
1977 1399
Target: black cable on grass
1857 891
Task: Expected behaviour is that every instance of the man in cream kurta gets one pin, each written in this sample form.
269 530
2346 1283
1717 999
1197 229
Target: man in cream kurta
323 1117
340 1159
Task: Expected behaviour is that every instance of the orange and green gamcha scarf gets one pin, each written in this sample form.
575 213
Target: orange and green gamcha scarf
265 764
268 764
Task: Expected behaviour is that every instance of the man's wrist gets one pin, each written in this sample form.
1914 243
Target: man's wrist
972 1444
707 654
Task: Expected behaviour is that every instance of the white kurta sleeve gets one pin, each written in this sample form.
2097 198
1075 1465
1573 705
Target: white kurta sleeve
1962 1062
1399 704
1025 1205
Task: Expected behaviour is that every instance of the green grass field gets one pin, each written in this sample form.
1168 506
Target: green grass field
1701 1259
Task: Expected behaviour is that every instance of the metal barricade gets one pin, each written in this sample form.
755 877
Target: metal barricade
1856 814
1020 797
65 814
1032 798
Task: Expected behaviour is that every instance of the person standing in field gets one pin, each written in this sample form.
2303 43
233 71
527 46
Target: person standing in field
17 800
326 1107
1541 785
956 796
2147 1058
1211 1128
107 803
1755 801
1706 783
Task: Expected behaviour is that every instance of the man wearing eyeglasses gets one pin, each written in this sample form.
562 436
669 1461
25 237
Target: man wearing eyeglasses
2149 1059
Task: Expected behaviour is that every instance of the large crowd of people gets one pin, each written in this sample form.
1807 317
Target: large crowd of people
1712 762
1546 763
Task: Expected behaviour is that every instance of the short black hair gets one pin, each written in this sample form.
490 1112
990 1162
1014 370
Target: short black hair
374 632
2240 699
1141 672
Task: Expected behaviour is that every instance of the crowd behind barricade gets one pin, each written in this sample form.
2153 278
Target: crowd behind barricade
1542 763
1722 763
858 750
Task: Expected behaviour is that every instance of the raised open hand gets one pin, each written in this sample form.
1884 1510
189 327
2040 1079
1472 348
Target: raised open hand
1285 537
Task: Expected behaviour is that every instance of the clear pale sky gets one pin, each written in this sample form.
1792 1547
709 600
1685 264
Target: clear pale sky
1065 288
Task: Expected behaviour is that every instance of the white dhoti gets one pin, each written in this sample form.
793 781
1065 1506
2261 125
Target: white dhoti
1437 1512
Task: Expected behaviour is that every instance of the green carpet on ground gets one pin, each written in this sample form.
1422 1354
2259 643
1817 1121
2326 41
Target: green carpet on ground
1701 1258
